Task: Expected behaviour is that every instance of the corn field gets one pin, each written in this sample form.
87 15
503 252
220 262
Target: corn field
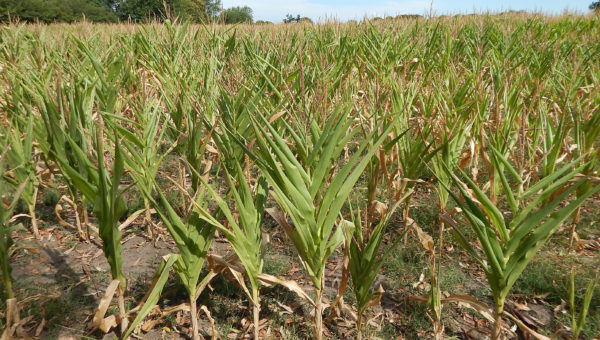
397 178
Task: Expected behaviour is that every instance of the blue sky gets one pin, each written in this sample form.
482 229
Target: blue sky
275 10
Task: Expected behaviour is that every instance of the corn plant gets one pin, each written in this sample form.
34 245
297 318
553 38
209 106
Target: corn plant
578 320
366 235
23 160
109 206
143 144
23 156
183 126
64 130
453 137
177 79
192 235
76 142
244 232
366 259
7 205
415 145
586 135
502 137
509 245
302 190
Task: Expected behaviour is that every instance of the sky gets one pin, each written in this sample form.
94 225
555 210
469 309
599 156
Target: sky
275 10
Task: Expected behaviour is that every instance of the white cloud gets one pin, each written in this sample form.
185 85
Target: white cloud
275 11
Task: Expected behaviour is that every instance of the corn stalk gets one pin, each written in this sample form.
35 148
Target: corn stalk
302 191
509 245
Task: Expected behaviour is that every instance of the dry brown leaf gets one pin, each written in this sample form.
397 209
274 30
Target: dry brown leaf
58 212
15 217
40 327
425 239
465 160
280 218
231 269
212 150
421 278
486 311
524 327
213 331
471 302
270 280
379 207
105 324
218 264
130 219
148 325
239 281
376 300
288 309
12 318
108 323
338 302
522 307
276 116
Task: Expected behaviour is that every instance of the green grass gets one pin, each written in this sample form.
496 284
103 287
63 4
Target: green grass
277 265
404 265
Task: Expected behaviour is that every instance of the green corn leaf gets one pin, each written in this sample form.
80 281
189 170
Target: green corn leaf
491 210
533 242
110 206
153 294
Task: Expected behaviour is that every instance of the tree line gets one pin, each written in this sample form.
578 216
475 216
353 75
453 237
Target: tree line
48 11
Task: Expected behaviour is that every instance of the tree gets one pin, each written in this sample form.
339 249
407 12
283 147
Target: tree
140 10
213 8
143 10
110 4
192 10
235 15
595 6
56 10
101 10
290 19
